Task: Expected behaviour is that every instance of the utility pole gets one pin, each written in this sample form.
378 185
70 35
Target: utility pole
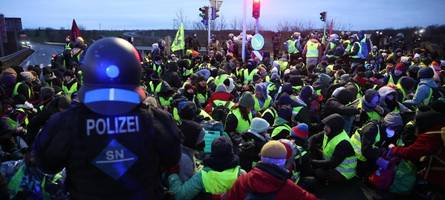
243 54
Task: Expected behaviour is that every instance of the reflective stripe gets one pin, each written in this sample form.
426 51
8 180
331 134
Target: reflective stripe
215 182
242 125
280 128
71 90
311 49
154 90
291 48
347 167
15 92
266 104
248 77
358 55
202 99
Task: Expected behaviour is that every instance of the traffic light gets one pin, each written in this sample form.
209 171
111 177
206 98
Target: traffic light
256 9
204 14
323 16
215 13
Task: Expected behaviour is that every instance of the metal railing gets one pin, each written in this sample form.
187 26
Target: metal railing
16 58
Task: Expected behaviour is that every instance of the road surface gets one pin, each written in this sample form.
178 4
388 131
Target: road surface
42 54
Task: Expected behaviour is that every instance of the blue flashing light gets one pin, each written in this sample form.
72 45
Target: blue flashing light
112 71
111 94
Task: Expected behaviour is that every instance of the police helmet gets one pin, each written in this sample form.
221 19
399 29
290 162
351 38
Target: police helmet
112 72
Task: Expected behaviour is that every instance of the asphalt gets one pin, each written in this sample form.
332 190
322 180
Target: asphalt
42 54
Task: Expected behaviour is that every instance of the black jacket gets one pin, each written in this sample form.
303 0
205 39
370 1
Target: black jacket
109 157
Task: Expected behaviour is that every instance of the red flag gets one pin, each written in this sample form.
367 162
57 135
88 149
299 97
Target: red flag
75 31
331 27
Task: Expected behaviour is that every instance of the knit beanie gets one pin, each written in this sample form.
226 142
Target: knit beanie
426 72
306 93
289 148
259 125
247 100
274 152
285 99
334 121
407 83
46 93
392 119
324 79
369 94
301 131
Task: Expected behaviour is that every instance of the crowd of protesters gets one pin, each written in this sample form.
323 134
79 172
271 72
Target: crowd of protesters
316 111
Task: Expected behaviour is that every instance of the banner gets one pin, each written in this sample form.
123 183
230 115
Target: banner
179 42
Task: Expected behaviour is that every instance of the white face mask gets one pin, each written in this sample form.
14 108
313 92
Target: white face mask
390 133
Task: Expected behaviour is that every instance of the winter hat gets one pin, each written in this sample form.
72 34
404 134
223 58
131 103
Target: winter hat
345 78
425 72
284 99
335 121
392 119
275 77
301 131
221 88
27 76
46 93
401 67
324 79
306 93
187 110
193 134
222 156
369 94
259 125
200 78
204 73
407 83
337 91
261 88
289 148
274 152
247 100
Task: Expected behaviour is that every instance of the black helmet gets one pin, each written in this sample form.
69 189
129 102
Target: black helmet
112 72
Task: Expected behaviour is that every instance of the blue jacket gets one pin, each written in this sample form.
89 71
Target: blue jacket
422 92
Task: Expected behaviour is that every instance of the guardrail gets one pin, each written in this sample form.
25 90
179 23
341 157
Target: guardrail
16 58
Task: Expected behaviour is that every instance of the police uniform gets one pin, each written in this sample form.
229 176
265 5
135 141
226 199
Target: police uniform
110 147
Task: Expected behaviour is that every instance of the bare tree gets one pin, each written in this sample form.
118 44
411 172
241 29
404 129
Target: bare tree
197 25
179 18
234 24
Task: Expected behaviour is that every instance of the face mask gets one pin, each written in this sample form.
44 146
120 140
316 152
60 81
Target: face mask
390 133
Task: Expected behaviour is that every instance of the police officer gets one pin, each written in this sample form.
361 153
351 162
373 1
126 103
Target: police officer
110 147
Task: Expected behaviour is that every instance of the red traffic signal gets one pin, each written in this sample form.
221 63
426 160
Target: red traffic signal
256 9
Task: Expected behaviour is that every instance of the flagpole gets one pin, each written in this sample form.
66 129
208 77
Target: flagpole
208 26
244 31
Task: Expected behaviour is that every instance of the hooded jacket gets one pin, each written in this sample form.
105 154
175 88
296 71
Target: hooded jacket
339 105
422 91
267 178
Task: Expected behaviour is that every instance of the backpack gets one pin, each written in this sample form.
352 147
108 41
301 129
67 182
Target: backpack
212 130
404 179
220 112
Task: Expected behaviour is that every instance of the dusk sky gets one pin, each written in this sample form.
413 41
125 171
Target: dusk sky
159 14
